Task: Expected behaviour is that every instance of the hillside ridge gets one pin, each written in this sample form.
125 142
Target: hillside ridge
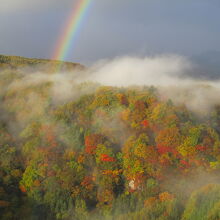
8 61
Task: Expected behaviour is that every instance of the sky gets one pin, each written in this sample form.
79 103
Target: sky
111 28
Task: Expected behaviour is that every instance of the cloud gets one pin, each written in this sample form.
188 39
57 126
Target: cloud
125 71
168 73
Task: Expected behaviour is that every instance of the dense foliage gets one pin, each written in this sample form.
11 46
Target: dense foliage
110 153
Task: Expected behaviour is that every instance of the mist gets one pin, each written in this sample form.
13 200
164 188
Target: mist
172 75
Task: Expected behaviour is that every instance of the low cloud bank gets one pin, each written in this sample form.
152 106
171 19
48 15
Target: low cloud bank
172 75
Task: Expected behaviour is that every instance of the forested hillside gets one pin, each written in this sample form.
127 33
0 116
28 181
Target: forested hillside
14 62
114 153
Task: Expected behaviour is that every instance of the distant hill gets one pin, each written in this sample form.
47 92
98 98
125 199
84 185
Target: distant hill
14 62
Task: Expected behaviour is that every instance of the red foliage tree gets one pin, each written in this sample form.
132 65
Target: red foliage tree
184 164
145 123
164 149
91 142
107 158
201 148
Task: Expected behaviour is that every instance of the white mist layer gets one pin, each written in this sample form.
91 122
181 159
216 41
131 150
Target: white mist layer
126 71
168 73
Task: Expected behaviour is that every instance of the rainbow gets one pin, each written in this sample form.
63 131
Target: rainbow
71 29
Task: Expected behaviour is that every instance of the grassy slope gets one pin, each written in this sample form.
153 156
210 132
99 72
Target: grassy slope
40 64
